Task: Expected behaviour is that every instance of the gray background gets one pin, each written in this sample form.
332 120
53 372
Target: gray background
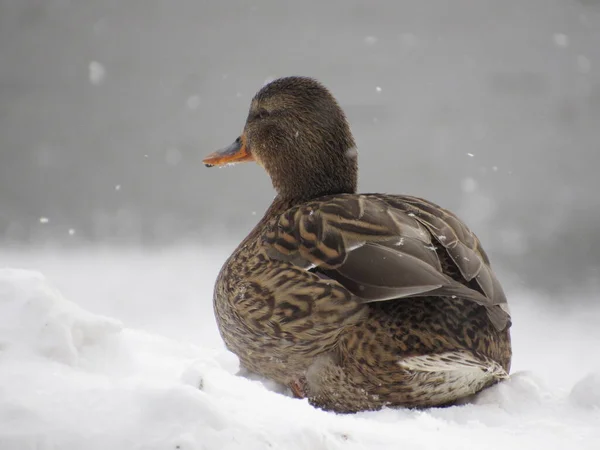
115 158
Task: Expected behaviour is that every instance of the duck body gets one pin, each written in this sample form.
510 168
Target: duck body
357 301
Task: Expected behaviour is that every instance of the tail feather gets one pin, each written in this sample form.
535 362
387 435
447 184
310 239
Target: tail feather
457 361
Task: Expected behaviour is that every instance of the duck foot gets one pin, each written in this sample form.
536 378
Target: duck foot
297 387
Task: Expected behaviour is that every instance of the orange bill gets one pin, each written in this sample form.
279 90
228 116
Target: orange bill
235 153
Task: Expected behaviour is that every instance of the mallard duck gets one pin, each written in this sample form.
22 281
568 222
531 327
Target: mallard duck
354 301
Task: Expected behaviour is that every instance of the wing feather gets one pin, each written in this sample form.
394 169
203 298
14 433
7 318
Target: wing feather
385 247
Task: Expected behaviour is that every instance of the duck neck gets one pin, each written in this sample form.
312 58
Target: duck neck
305 180
307 190
278 206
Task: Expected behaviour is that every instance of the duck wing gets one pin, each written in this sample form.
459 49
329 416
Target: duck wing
388 247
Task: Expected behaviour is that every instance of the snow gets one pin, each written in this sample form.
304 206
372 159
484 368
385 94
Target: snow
371 40
193 102
561 40
119 350
97 73
468 185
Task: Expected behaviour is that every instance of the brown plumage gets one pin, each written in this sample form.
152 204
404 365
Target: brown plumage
355 301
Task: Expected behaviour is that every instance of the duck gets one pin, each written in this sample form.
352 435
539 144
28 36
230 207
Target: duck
353 301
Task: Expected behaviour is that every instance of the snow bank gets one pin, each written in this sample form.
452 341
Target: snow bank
70 379
35 319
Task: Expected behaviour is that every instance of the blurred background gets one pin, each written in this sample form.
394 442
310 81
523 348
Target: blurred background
489 108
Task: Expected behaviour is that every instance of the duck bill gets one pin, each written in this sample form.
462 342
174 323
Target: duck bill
235 153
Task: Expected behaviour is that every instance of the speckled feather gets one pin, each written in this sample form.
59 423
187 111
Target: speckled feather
296 306
355 301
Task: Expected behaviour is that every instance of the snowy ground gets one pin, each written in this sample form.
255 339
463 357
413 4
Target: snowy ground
119 350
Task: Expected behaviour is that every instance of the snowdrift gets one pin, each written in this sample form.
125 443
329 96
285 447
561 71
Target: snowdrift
71 379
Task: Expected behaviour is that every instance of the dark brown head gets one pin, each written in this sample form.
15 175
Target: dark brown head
296 130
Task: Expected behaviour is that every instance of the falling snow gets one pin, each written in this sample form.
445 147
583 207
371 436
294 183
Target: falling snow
97 73
561 40
193 102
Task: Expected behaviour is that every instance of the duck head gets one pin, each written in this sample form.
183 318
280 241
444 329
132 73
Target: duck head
297 131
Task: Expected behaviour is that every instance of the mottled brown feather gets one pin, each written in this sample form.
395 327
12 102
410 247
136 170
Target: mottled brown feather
355 301
363 248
